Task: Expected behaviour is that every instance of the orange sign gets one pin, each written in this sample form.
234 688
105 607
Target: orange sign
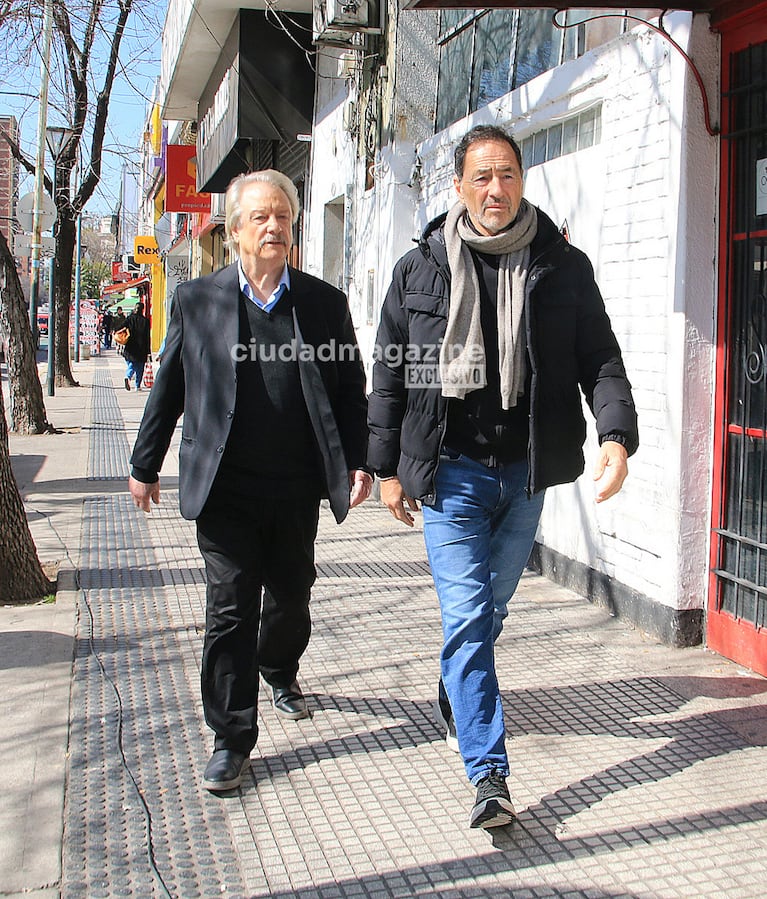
181 181
145 249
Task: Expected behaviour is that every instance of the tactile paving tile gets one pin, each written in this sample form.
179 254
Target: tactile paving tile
623 787
108 449
614 780
136 821
132 695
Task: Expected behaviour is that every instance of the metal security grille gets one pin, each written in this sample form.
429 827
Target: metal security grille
741 566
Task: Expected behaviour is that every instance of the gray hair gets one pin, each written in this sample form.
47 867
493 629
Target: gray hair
233 207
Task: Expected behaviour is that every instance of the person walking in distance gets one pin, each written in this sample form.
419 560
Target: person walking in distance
136 350
118 323
106 326
263 361
489 332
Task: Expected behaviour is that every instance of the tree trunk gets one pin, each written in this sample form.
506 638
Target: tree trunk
26 392
21 576
65 248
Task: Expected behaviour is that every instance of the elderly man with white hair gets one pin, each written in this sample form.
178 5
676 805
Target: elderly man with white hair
263 362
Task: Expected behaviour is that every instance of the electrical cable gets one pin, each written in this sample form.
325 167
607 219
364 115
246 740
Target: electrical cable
713 130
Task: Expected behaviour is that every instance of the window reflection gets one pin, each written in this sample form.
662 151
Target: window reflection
486 53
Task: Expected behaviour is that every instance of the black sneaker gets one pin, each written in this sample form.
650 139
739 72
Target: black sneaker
493 806
445 718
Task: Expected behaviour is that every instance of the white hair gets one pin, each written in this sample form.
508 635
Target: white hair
233 205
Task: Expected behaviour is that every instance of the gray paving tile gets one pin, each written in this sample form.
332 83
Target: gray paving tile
636 769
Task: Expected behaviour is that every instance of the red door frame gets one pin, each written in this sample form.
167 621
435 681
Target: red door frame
736 639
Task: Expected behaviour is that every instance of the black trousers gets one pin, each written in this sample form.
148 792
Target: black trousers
259 561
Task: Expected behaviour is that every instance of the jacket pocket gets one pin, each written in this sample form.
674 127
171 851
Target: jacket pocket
429 304
427 319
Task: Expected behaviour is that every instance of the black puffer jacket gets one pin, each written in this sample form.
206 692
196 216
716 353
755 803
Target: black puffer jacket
570 344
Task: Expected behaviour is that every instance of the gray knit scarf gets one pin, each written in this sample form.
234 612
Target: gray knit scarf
462 354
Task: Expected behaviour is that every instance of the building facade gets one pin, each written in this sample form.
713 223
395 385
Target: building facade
644 137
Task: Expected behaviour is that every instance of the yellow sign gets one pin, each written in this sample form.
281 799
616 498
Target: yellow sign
145 249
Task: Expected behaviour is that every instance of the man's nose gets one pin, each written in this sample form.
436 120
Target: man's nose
495 187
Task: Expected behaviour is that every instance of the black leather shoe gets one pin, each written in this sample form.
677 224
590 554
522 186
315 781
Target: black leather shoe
290 702
224 770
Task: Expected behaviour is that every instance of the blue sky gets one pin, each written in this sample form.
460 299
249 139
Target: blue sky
131 94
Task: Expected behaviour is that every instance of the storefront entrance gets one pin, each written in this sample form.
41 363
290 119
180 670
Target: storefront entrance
737 614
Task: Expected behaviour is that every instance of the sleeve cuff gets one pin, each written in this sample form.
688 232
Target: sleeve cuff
144 475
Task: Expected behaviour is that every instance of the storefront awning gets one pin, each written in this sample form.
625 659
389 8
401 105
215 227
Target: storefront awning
122 286
261 91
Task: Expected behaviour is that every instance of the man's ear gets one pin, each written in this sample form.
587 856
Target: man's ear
457 186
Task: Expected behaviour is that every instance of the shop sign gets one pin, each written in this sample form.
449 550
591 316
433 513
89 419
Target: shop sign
218 131
181 194
145 249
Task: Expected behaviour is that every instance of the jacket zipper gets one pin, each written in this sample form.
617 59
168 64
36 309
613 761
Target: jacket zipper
537 272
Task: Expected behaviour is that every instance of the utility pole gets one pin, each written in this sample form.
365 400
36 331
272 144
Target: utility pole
51 374
56 138
78 277
42 119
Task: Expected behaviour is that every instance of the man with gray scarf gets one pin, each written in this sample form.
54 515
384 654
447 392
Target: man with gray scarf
490 330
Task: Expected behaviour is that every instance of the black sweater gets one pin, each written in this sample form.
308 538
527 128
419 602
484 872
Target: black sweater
271 436
478 426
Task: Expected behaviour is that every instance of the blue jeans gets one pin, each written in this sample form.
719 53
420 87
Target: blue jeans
134 370
478 534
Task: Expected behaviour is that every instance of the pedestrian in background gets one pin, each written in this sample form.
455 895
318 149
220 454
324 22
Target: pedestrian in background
118 323
490 327
138 346
106 326
263 361
118 319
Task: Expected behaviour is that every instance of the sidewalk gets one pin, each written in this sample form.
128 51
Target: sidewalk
638 770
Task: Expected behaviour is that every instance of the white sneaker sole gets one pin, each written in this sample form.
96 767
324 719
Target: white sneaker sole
450 740
492 813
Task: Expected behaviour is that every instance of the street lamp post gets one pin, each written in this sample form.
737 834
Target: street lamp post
56 137
78 276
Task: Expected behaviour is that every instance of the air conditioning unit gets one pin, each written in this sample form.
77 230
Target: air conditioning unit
337 21
347 13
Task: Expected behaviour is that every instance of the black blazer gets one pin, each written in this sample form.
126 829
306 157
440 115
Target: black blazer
198 377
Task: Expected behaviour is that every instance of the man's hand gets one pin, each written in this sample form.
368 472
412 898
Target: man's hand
394 498
142 493
360 485
611 470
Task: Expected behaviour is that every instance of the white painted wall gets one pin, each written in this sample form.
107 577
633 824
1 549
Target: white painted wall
385 216
642 205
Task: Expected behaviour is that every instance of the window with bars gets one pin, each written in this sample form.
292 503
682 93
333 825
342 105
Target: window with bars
742 562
